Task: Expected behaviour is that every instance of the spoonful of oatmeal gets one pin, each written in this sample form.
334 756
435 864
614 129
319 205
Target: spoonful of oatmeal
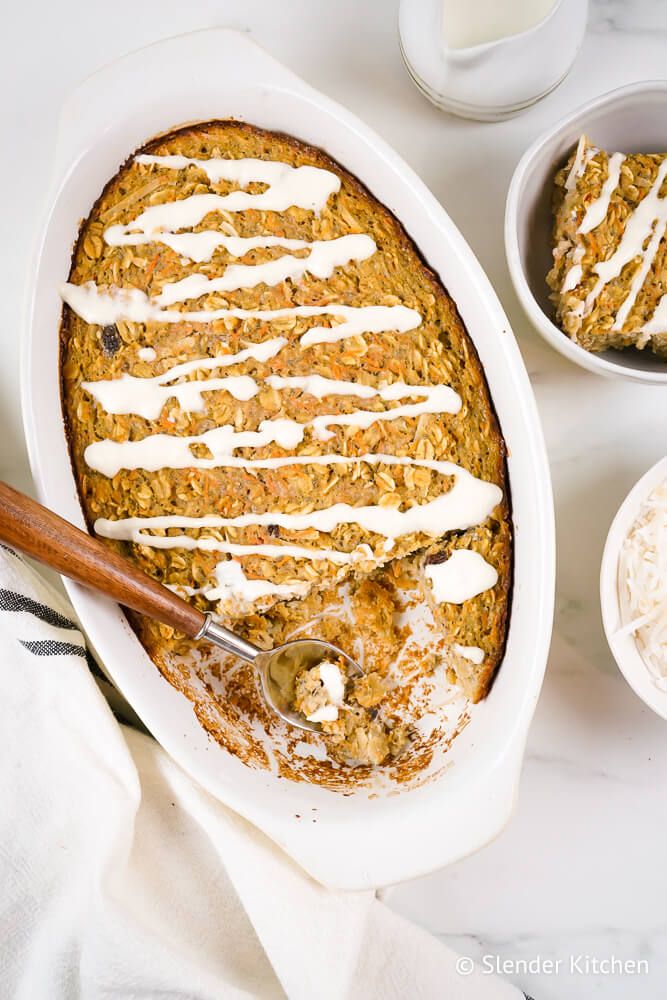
303 681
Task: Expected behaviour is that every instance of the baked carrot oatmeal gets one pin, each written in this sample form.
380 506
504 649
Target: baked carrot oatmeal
609 277
273 408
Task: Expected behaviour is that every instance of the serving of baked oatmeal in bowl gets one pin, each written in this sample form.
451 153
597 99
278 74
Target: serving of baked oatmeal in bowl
275 405
585 234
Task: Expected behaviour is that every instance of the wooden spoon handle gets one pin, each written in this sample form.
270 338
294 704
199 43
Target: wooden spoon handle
40 533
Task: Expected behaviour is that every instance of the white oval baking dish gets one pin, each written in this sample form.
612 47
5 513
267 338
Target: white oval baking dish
353 841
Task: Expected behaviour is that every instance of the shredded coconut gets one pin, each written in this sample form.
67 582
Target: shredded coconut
642 579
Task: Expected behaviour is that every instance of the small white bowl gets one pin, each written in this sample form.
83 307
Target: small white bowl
630 119
624 647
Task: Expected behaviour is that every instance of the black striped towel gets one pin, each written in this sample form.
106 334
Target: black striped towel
121 877
45 624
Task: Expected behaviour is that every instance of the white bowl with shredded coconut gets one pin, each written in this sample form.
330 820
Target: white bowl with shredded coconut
633 588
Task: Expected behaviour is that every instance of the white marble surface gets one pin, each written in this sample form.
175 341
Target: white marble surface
579 870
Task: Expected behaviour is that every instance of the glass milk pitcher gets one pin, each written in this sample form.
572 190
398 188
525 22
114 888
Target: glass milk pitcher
489 59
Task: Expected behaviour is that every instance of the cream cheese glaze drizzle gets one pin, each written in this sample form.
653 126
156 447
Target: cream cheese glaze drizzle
597 210
200 247
374 458
363 553
304 187
127 394
147 396
575 273
232 584
638 279
104 307
658 321
572 278
462 576
472 653
168 451
323 258
583 156
648 221
467 502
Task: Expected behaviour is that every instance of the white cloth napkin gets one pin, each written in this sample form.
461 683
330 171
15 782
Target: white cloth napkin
121 877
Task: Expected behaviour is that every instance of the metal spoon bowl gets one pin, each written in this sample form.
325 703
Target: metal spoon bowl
278 667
